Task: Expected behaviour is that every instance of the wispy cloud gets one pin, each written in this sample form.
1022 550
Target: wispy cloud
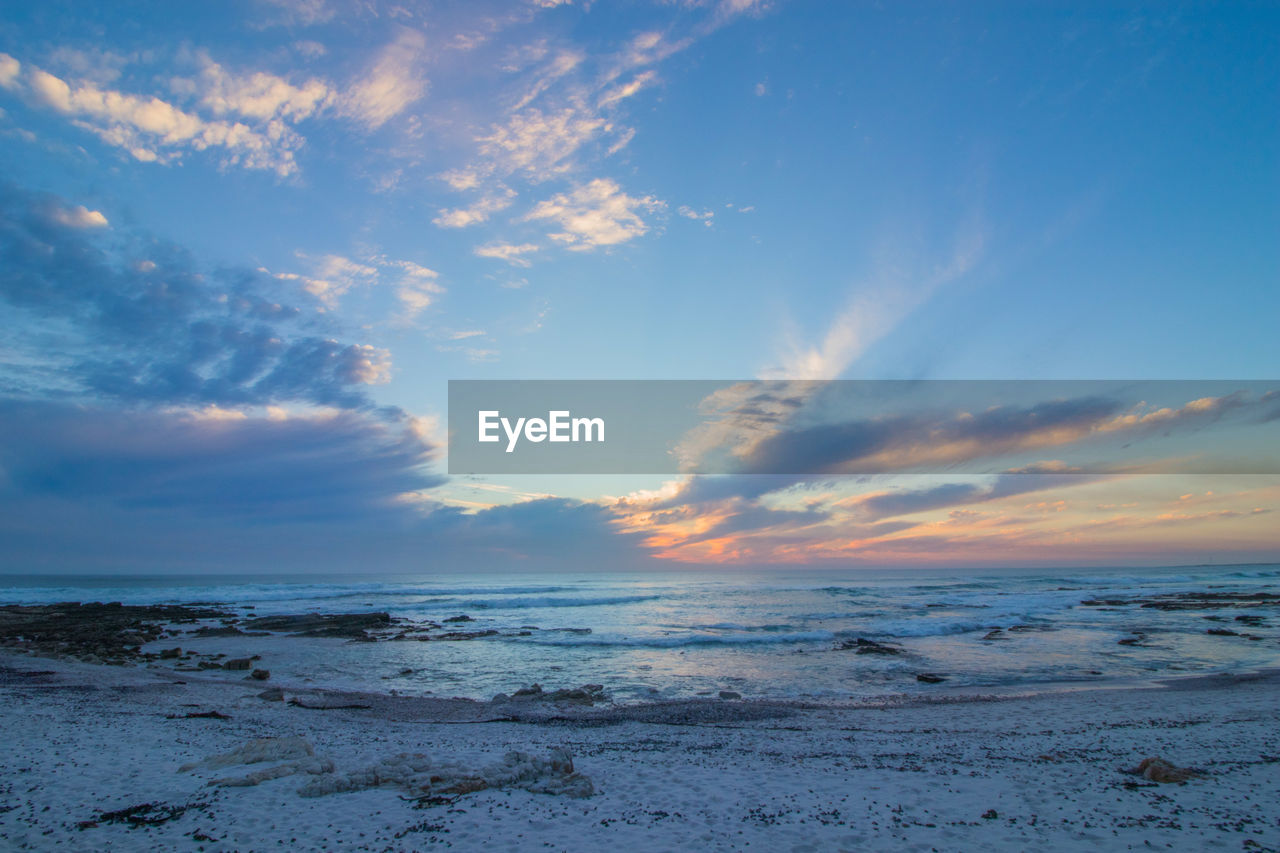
513 254
395 79
595 215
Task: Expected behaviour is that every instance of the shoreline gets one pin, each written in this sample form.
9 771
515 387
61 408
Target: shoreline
96 742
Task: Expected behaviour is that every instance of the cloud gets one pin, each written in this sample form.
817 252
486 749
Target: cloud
333 276
706 217
874 311
595 215
417 286
92 488
9 70
300 12
395 80
151 129
539 144
78 217
308 466
476 213
909 501
260 96
146 324
511 253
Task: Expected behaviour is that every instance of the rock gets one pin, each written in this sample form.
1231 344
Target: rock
225 631
1190 600
730 694
930 678
274 694
93 631
461 618
990 814
1159 770
260 674
1222 632
351 626
587 694
255 751
465 635
169 654
238 664
428 779
864 646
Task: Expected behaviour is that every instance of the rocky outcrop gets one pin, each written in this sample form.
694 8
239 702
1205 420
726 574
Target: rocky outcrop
350 626
96 632
587 694
863 646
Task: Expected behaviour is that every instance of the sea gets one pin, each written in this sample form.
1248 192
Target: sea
759 634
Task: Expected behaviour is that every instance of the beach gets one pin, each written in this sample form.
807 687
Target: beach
1089 711
1039 772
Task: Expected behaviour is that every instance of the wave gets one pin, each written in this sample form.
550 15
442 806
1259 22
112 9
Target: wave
684 640
526 603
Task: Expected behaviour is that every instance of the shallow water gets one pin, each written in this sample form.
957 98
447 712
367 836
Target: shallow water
768 634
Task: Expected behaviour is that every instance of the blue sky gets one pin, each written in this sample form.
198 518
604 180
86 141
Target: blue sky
305 216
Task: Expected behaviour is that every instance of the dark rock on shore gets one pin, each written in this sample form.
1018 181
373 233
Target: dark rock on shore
350 626
93 631
460 618
863 646
225 631
1190 600
587 694
465 635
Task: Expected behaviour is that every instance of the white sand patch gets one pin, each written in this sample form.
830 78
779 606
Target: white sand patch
1032 773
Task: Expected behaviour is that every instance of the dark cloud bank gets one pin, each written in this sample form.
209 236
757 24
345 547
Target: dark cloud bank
109 460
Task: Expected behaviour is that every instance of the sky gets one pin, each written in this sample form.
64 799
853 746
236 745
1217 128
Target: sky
244 247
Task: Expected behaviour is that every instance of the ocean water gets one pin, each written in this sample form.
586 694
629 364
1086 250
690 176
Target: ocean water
760 634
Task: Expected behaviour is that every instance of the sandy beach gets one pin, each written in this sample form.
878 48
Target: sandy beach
96 753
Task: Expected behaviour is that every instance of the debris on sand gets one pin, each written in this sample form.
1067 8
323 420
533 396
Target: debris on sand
417 775
324 705
143 814
256 751
422 777
1159 770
